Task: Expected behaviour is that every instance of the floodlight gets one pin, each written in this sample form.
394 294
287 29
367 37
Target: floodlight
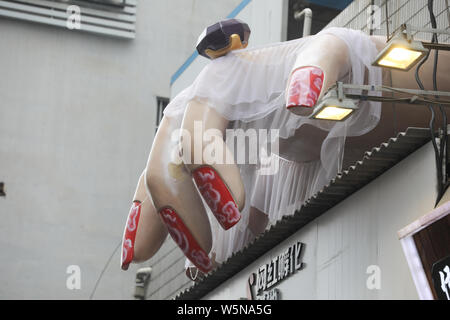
400 53
333 108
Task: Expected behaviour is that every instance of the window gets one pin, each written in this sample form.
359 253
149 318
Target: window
161 104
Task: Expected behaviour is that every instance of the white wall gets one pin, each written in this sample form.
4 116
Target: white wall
77 119
359 232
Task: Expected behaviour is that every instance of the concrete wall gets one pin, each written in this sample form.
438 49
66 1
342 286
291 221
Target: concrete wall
77 119
359 232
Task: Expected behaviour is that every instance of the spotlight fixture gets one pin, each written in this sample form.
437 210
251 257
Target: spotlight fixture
334 106
401 53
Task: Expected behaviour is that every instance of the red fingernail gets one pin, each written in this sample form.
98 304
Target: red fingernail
130 235
304 87
185 240
217 196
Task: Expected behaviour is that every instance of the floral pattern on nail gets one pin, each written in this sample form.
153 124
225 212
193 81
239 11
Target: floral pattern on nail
217 196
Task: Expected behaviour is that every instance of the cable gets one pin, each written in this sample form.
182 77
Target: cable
448 12
104 269
393 106
431 125
388 36
439 152
417 97
109 261
444 140
372 4
443 143
423 97
400 100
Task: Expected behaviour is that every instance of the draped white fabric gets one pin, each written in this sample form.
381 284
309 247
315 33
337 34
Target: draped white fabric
248 87
270 194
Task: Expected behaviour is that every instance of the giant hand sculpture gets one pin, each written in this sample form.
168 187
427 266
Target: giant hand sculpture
270 87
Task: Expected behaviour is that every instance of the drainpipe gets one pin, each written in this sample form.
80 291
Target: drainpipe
307 13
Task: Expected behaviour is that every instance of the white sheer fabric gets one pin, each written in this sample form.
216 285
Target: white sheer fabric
248 88
281 194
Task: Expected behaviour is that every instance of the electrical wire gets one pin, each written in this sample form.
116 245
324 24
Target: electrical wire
439 151
444 140
404 100
109 261
448 12
417 97
423 97
388 35
431 125
103 271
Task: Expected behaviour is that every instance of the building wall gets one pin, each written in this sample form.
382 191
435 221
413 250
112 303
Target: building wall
359 232
77 120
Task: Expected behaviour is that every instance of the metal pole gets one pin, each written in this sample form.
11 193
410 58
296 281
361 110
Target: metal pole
388 35
307 14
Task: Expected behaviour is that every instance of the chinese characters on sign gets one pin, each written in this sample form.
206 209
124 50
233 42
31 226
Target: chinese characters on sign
445 281
271 273
441 278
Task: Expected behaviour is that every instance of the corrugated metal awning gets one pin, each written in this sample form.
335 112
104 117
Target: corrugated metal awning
374 163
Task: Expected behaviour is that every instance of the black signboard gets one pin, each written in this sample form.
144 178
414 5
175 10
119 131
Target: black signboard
440 273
